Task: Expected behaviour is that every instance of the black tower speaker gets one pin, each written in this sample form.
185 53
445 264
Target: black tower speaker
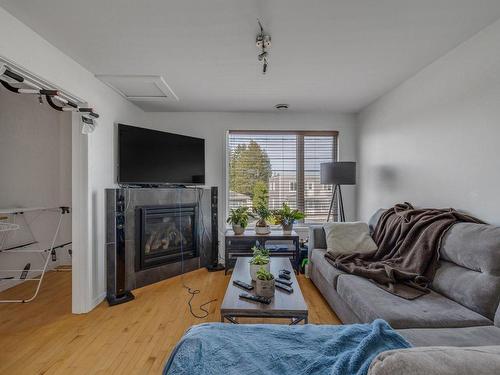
116 291
214 260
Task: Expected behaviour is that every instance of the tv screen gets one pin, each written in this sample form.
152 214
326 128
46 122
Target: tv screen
148 156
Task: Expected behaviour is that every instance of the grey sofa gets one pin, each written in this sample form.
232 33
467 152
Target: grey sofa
462 308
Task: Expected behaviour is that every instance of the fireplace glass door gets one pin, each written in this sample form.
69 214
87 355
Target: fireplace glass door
166 234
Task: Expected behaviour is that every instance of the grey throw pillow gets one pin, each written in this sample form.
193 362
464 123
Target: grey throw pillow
348 238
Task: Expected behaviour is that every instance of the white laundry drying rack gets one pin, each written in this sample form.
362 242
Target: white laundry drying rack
7 227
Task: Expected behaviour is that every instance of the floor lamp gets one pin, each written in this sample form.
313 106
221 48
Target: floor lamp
338 173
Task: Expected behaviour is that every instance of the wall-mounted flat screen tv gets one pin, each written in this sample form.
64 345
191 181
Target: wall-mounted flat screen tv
152 157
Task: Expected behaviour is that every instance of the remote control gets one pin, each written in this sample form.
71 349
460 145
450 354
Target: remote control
243 285
284 287
285 271
285 276
251 297
284 282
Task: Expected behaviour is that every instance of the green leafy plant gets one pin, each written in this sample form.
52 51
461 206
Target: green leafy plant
264 275
259 260
263 213
286 216
239 216
260 250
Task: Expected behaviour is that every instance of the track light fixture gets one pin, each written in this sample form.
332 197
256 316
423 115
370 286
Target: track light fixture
263 42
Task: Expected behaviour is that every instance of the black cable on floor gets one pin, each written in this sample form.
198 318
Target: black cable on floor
192 292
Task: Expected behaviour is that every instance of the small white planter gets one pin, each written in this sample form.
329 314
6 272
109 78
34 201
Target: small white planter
238 230
255 267
264 288
262 230
287 229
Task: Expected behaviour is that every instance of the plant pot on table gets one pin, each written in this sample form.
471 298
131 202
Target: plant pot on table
264 288
238 230
255 267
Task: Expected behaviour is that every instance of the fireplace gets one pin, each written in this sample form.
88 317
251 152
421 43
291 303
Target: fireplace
165 234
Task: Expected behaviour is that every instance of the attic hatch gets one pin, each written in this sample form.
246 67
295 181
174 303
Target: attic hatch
149 92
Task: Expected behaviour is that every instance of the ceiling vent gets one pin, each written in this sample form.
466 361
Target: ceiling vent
149 92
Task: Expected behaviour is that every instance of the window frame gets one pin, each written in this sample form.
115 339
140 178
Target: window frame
300 167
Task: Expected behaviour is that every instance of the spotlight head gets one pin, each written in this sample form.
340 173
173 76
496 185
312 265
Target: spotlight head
88 124
267 41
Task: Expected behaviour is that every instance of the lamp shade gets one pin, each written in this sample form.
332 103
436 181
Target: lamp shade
338 173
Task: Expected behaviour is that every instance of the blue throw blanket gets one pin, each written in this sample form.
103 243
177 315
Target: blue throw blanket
227 349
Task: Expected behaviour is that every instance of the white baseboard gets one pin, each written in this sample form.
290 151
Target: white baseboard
96 301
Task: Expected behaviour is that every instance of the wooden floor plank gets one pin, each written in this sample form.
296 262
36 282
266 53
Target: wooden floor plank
43 337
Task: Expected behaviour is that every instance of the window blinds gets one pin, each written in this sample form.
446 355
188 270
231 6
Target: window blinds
276 167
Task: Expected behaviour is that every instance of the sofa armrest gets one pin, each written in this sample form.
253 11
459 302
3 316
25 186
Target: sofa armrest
317 239
435 360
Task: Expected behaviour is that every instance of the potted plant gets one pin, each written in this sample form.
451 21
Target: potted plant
260 250
263 214
264 285
238 218
257 262
285 216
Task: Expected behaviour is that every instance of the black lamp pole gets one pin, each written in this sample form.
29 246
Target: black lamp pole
338 173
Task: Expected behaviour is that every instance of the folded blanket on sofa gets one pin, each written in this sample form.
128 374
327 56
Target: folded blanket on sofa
265 349
408 241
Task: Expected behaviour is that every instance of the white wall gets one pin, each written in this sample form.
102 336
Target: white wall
35 150
212 126
97 172
34 53
434 140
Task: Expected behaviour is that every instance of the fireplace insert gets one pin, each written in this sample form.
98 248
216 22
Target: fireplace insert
165 234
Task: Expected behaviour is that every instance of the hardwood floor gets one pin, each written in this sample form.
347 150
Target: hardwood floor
43 337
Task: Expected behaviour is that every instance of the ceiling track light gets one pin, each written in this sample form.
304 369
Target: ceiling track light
263 42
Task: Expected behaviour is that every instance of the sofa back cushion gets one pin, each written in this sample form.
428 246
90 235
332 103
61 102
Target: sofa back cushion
469 271
438 360
372 222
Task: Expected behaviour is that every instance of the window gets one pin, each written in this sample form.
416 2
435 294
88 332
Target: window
275 167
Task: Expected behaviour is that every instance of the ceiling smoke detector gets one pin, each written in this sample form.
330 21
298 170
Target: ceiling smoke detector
281 107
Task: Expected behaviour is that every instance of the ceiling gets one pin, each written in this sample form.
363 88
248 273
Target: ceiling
334 55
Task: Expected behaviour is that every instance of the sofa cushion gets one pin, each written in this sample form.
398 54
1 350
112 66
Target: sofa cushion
429 311
474 246
467 336
479 291
348 238
329 272
470 267
373 221
441 360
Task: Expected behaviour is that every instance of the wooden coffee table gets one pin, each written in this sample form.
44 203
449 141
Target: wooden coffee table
283 305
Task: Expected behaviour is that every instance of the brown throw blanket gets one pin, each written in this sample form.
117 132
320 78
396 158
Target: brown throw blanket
408 241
